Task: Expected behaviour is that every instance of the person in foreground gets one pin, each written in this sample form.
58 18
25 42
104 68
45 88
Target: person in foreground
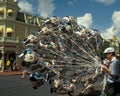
112 70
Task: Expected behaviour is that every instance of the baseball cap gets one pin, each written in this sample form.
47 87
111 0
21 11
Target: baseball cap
109 50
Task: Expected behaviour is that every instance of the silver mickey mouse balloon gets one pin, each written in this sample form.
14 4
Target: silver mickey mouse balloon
65 57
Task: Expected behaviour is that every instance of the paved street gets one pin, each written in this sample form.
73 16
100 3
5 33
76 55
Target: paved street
13 85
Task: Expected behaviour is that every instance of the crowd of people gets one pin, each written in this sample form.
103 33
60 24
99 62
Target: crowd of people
10 64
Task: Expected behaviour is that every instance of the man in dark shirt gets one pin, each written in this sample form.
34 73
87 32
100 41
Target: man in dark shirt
12 62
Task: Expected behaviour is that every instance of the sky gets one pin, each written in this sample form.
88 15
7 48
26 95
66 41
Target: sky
103 15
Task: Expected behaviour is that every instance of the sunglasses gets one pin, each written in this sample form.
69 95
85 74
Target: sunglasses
107 53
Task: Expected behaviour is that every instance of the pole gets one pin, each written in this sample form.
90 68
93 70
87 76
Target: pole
3 57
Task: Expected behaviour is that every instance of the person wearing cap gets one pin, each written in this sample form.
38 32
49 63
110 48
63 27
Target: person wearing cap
112 87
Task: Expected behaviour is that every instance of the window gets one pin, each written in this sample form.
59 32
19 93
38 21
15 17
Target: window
1 34
10 12
9 34
1 30
35 21
9 31
31 20
1 11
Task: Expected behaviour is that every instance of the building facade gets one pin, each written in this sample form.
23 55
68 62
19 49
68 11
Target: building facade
14 27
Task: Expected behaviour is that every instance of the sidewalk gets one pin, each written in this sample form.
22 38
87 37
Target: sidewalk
6 72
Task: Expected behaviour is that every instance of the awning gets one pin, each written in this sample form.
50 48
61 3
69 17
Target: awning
1 29
9 30
1 10
10 11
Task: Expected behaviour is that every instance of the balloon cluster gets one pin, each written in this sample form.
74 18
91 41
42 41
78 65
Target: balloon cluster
63 54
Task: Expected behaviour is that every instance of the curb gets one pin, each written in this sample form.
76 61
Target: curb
11 73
